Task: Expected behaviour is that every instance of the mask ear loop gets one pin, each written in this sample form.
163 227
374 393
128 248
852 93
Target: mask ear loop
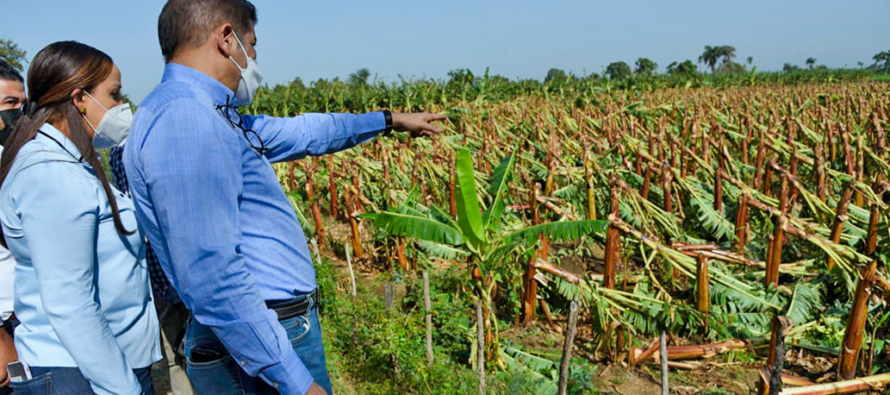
244 51
84 112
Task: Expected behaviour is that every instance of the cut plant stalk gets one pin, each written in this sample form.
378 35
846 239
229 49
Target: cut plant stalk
696 351
332 188
703 289
741 224
613 243
718 183
530 294
840 217
776 358
855 331
316 211
353 224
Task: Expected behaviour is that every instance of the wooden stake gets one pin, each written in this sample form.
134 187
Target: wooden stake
351 272
428 317
567 348
480 346
664 364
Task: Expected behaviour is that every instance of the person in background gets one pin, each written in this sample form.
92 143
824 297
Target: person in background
171 311
81 286
12 96
212 207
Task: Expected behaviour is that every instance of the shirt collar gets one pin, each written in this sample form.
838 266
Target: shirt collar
218 92
62 142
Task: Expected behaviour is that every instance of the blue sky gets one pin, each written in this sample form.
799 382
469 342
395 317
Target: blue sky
517 38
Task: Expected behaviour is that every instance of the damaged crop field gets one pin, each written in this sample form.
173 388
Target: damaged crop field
588 239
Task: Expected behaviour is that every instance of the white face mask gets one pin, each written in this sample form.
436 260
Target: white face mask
251 77
114 127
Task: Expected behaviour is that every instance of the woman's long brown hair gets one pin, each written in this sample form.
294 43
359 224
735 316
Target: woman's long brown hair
55 73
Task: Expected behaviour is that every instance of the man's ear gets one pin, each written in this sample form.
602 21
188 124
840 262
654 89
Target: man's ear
226 43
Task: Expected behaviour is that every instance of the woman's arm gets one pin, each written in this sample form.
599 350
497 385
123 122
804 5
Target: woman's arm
59 211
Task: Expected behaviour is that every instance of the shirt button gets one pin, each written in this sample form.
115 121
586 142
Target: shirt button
275 385
243 363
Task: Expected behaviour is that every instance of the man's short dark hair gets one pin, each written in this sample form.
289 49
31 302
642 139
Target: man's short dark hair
7 73
188 23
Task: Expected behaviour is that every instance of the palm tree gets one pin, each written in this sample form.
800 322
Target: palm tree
709 57
811 61
728 53
750 60
486 239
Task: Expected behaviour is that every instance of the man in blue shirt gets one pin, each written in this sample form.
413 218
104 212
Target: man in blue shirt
227 237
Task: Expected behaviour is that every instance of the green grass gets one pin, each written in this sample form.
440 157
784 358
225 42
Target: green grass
373 350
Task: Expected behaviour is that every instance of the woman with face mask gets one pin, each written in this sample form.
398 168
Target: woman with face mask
82 288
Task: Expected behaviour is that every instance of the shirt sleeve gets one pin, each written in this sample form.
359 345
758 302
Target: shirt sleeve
191 160
314 134
59 215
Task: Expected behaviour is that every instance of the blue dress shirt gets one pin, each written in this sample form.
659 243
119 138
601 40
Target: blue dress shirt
214 211
81 288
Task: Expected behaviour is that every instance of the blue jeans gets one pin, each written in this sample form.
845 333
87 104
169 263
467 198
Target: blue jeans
69 381
223 376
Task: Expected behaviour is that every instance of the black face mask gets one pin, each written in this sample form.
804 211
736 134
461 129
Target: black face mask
10 118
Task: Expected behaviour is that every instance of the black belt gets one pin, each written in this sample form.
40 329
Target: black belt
290 309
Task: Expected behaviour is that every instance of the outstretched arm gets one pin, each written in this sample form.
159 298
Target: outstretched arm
192 167
318 134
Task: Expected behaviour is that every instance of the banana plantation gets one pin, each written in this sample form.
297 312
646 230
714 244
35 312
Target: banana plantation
686 227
